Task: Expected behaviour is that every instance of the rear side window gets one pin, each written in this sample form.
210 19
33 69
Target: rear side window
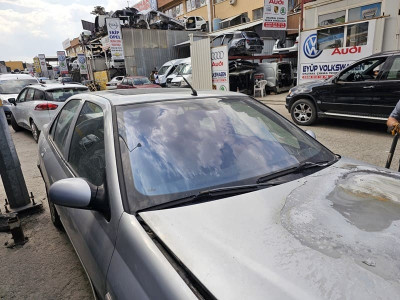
86 154
39 95
29 95
63 122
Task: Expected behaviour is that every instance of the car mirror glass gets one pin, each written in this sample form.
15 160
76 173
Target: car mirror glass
12 101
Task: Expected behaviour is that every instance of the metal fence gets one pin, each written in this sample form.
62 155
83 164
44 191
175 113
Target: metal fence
146 49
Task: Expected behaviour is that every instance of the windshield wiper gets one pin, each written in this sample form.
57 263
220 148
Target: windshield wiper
295 169
213 194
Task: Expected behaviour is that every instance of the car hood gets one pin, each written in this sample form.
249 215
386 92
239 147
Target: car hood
5 97
333 234
308 86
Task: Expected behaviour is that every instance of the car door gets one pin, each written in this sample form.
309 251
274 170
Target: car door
388 88
81 151
24 107
16 109
356 88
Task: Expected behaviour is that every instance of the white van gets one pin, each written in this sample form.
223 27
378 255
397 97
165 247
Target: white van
178 69
167 70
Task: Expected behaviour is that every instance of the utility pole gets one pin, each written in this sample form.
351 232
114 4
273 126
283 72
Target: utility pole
11 173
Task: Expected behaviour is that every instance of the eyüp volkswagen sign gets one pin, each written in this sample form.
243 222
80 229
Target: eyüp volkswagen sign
310 46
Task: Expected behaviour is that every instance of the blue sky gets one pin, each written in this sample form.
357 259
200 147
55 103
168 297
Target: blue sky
30 27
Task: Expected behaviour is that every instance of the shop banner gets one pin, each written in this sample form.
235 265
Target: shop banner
115 37
62 62
43 66
275 14
82 64
36 64
322 59
220 68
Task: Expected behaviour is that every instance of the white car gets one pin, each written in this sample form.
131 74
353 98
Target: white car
167 69
36 105
112 84
177 71
11 85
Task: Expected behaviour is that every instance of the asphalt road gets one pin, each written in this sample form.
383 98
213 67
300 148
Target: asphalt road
47 266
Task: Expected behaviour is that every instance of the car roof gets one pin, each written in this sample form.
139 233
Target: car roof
132 96
386 53
52 86
16 76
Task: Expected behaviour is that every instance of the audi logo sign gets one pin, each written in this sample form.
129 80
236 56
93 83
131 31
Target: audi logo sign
217 55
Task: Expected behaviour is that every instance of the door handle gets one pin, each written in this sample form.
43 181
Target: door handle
369 87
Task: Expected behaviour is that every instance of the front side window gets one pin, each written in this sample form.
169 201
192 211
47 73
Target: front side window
63 122
21 96
364 70
173 149
86 154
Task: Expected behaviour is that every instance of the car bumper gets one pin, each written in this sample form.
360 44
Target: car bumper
7 112
289 100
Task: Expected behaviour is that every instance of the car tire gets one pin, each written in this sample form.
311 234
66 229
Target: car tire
35 131
303 112
14 124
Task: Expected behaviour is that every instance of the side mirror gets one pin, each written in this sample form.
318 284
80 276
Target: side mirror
311 133
12 101
78 193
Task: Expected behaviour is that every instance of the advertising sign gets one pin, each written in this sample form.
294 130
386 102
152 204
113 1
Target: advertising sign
220 68
146 4
115 37
317 64
43 66
82 64
105 43
36 65
275 14
62 62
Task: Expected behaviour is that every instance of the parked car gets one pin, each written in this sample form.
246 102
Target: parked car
167 69
165 195
195 23
177 70
66 79
279 76
10 86
240 43
367 90
112 84
136 82
36 105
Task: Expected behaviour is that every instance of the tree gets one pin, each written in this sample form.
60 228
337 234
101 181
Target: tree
98 10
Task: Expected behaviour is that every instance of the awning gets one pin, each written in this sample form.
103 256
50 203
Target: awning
236 28
229 19
186 43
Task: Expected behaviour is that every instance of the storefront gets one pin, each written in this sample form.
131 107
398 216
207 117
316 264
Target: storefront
337 34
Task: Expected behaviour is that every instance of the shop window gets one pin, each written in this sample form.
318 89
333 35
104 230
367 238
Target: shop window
258 13
330 38
332 18
357 34
365 12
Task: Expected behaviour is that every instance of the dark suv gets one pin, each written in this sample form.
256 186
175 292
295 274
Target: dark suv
240 42
366 90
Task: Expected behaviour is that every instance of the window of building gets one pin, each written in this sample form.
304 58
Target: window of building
364 12
330 38
332 18
258 13
218 1
188 6
175 11
357 34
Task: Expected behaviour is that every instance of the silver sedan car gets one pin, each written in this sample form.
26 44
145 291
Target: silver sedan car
166 195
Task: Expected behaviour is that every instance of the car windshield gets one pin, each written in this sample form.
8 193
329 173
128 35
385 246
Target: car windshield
251 35
187 69
178 69
163 69
174 149
141 81
15 86
60 95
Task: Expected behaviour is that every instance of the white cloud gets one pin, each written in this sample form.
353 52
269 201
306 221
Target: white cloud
28 27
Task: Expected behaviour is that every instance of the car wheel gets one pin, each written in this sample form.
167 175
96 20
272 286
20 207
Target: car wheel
35 131
14 124
303 112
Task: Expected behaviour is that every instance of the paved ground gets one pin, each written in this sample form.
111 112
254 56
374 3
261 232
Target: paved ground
47 267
